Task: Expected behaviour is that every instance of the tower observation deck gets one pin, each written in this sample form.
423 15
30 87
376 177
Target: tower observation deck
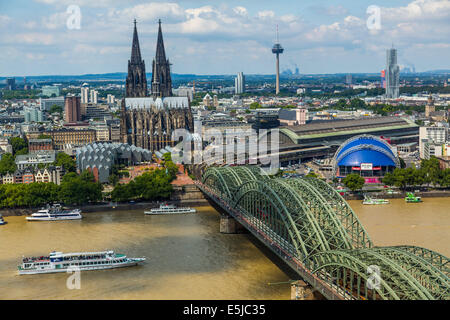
278 49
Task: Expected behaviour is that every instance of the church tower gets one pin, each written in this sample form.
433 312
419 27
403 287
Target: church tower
136 83
429 108
162 81
149 121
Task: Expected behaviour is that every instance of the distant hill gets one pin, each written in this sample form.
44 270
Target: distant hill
443 71
116 76
121 76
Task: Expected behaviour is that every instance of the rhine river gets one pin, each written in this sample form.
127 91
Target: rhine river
187 256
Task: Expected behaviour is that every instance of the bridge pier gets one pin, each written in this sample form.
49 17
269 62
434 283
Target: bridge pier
228 225
300 290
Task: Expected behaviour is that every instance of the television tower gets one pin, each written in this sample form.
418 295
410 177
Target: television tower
278 49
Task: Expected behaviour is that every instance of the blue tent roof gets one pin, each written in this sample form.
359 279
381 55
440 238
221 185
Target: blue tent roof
364 140
377 158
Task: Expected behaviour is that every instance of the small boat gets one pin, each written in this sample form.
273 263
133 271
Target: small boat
369 200
55 213
390 191
411 198
2 222
85 261
169 209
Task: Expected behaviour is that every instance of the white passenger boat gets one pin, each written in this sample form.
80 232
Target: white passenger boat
2 222
55 213
169 209
85 261
369 200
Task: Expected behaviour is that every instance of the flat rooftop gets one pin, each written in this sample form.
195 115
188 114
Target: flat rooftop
341 125
335 128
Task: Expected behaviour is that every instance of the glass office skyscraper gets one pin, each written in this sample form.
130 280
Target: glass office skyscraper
392 75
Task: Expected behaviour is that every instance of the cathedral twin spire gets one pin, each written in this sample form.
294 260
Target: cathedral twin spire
136 83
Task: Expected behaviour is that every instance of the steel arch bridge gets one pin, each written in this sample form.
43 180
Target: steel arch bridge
307 223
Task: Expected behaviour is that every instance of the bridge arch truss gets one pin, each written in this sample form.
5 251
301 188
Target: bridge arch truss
312 223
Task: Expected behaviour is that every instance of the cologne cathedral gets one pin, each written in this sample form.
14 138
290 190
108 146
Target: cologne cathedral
148 120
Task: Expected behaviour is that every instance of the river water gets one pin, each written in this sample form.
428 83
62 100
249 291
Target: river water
425 224
187 256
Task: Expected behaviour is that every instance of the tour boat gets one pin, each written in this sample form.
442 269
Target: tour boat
169 209
85 261
55 213
411 198
369 200
2 222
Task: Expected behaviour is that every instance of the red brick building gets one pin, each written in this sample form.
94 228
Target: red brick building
35 145
72 109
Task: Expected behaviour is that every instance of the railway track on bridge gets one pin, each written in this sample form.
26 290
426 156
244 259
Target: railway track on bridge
314 231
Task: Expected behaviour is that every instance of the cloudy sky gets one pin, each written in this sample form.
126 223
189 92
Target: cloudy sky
39 37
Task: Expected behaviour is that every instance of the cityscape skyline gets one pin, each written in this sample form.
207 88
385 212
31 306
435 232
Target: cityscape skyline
319 37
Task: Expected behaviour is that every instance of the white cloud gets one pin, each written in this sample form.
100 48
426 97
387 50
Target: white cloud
35 56
30 24
81 3
198 25
4 20
288 18
336 10
203 35
241 11
418 10
170 12
33 38
267 14
56 20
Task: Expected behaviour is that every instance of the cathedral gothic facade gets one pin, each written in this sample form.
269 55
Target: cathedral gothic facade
148 120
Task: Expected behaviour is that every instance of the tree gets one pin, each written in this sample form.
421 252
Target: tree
21 152
410 176
43 165
19 145
399 177
66 161
167 157
38 194
152 185
171 168
341 104
357 104
80 189
445 181
113 179
56 109
419 177
402 163
7 164
354 182
389 179
121 193
255 105
27 195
